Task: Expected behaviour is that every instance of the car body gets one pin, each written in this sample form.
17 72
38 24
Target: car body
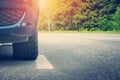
18 25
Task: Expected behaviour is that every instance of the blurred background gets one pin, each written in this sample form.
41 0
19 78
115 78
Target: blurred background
79 15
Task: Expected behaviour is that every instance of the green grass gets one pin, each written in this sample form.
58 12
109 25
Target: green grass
97 32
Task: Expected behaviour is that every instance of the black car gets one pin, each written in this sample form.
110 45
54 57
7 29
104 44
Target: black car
18 25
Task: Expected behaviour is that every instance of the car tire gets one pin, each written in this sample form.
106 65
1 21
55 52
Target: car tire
26 50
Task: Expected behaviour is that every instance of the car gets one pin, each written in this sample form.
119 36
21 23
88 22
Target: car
18 25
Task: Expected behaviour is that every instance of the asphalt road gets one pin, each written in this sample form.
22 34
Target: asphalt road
64 56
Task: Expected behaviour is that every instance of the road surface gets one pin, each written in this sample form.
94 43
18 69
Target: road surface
66 56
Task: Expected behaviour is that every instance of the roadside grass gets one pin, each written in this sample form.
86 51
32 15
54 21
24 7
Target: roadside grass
91 32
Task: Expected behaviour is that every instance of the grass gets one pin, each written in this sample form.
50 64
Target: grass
97 32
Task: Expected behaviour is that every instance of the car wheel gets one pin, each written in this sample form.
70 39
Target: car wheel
26 50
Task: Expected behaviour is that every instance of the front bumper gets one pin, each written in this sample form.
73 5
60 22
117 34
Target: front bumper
14 35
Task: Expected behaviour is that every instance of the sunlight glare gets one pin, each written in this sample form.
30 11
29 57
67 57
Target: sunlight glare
43 3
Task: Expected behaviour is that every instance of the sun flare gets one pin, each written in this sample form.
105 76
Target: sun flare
44 3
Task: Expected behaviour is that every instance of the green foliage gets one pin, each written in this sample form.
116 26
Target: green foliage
116 20
79 15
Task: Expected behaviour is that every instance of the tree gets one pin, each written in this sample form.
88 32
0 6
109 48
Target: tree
82 15
116 20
